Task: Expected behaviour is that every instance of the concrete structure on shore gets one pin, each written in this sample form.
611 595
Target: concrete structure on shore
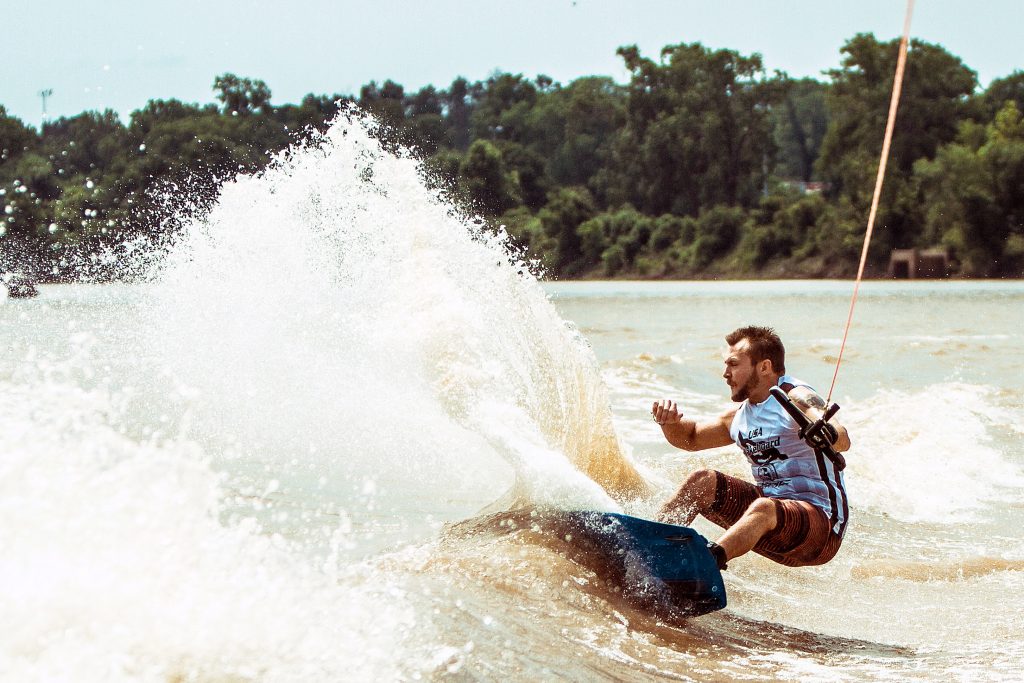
919 263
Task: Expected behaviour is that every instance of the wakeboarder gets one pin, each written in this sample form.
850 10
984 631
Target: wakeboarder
796 511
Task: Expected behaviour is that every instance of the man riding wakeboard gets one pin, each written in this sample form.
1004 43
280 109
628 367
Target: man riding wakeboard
796 511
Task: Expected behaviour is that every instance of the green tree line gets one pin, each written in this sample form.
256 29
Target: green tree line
702 165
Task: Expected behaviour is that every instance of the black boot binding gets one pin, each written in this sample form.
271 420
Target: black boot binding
719 554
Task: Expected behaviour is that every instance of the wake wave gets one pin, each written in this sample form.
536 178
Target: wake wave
937 454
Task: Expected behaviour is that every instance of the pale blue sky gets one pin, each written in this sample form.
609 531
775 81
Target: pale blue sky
118 54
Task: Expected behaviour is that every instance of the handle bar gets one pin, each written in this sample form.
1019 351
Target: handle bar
809 429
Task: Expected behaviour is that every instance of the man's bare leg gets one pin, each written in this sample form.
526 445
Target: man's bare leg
696 495
758 520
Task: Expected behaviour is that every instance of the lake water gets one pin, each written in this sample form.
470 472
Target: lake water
253 463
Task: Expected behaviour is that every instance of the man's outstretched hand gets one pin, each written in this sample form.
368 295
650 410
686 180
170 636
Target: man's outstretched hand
666 412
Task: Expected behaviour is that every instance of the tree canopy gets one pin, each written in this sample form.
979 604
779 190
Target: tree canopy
701 165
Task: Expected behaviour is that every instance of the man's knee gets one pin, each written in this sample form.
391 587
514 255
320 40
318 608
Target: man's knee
702 480
695 496
764 512
700 487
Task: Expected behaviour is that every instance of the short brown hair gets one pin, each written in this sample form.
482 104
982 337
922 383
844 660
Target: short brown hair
764 344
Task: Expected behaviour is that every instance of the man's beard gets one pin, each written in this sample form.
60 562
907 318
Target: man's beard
743 393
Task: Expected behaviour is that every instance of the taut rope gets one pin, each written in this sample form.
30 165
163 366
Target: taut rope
897 86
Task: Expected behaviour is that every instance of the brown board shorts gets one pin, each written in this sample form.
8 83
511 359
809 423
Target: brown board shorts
802 536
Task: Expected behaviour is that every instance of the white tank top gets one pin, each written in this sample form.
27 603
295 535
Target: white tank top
782 463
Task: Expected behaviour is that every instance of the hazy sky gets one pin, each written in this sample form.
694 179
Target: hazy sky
118 54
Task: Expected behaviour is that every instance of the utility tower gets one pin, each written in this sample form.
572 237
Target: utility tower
44 94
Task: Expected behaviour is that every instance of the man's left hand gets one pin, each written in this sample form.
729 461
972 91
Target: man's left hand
820 435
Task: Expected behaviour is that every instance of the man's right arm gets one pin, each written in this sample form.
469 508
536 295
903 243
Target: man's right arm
691 435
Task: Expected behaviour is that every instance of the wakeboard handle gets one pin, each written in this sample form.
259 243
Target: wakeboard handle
811 431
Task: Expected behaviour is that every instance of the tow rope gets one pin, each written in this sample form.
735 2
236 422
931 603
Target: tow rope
897 86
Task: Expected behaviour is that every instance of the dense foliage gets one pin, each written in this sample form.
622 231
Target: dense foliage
702 165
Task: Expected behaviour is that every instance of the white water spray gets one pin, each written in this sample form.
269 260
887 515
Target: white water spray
330 363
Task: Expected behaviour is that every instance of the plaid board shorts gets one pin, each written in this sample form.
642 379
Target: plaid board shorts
803 533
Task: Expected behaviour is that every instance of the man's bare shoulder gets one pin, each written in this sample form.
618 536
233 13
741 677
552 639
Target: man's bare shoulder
714 431
722 421
727 416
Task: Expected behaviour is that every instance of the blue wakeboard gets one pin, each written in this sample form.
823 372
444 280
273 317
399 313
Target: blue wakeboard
661 567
